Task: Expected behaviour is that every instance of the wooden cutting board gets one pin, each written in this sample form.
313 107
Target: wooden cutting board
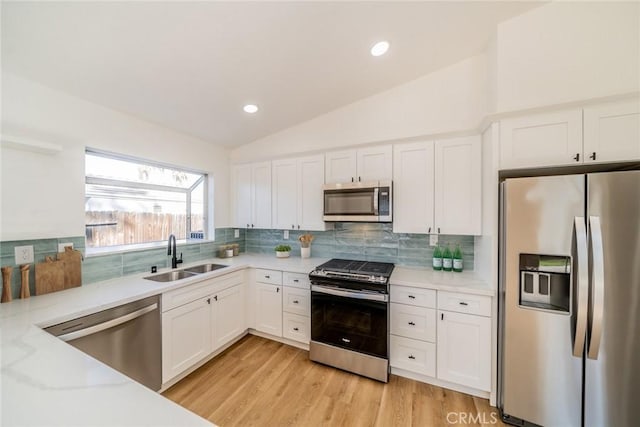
49 276
72 267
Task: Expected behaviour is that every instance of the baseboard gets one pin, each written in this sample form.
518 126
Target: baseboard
283 340
444 384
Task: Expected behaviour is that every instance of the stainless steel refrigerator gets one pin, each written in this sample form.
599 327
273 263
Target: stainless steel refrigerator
569 346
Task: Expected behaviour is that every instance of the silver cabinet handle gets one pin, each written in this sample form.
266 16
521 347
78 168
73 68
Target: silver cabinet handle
596 284
108 324
582 284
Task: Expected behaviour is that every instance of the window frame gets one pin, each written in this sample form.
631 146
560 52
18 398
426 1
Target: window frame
203 179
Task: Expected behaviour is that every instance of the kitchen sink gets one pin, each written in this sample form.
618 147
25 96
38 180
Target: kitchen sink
204 268
171 276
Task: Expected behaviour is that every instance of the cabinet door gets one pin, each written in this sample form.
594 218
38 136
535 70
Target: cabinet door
186 337
413 187
242 193
458 186
297 301
284 194
413 322
269 309
261 195
375 163
340 166
228 315
412 355
550 139
464 349
310 195
612 132
296 327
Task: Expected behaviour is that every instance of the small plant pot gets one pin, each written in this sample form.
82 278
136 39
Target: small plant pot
283 254
305 252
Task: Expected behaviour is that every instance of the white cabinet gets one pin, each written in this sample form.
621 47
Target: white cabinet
365 164
268 310
296 307
297 197
228 313
413 187
464 340
458 186
413 322
296 327
437 186
612 132
594 134
546 139
251 188
413 355
296 301
186 337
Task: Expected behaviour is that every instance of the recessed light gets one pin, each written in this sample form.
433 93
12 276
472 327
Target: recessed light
380 48
250 108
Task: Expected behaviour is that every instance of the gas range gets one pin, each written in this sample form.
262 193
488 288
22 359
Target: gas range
354 271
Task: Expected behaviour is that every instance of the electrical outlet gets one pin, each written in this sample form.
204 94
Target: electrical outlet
24 254
286 234
61 246
433 239
236 233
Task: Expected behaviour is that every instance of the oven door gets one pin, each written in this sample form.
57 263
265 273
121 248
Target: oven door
348 319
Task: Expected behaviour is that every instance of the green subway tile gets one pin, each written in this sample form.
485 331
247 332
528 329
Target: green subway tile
103 262
39 246
100 275
388 253
142 256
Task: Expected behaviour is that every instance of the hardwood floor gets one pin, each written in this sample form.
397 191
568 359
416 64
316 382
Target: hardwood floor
259 382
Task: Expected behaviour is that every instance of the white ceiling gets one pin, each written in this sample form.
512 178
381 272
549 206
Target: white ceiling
191 66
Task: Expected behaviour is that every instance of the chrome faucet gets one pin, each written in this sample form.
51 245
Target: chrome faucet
172 251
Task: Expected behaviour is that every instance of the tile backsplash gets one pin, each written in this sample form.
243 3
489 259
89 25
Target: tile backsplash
363 241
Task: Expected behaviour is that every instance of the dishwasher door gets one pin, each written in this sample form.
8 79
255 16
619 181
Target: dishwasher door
127 338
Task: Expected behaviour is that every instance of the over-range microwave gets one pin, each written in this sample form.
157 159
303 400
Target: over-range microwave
358 201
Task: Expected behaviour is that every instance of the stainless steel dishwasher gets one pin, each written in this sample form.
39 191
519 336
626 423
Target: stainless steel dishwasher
127 338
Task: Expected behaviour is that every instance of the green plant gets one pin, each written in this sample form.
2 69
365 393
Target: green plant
283 248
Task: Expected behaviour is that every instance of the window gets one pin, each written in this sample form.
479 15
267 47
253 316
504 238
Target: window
130 201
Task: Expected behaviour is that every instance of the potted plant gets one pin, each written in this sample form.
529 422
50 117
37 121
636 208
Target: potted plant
283 251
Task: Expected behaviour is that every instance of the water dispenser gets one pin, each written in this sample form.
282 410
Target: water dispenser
545 282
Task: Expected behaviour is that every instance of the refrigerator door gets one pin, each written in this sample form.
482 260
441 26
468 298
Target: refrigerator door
612 371
541 378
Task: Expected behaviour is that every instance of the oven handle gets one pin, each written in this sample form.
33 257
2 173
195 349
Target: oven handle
349 294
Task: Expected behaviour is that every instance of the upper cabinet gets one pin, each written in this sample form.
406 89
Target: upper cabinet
612 132
365 164
437 186
596 134
297 197
251 189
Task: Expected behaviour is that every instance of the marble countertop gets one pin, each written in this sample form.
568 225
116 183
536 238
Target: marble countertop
45 381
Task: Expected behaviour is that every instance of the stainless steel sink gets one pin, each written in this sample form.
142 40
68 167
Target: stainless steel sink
171 276
204 268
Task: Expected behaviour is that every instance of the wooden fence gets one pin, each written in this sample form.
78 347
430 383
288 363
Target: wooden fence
109 228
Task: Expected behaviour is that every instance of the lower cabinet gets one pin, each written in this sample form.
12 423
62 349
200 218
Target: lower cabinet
413 355
228 315
464 350
268 309
186 337
296 327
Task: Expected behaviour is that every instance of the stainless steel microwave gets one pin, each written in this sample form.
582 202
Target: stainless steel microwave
358 202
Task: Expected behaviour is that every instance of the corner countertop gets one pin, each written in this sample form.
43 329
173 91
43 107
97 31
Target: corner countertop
466 282
45 381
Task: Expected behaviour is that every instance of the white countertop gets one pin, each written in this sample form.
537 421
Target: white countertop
45 381
466 282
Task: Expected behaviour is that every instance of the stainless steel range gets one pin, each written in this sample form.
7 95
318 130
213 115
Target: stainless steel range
350 316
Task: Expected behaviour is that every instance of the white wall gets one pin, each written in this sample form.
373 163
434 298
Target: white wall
43 194
567 51
450 99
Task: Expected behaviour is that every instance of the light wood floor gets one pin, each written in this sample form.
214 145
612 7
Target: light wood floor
259 382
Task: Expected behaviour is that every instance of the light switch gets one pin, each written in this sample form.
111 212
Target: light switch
236 233
433 239
286 235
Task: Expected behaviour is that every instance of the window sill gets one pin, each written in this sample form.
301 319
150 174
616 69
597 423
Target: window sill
112 250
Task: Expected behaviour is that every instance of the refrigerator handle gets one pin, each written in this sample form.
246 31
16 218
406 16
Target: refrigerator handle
596 285
581 272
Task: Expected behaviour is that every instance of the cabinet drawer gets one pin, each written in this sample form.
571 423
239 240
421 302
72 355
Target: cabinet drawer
413 296
296 301
296 327
299 280
413 322
192 292
464 303
413 355
273 277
